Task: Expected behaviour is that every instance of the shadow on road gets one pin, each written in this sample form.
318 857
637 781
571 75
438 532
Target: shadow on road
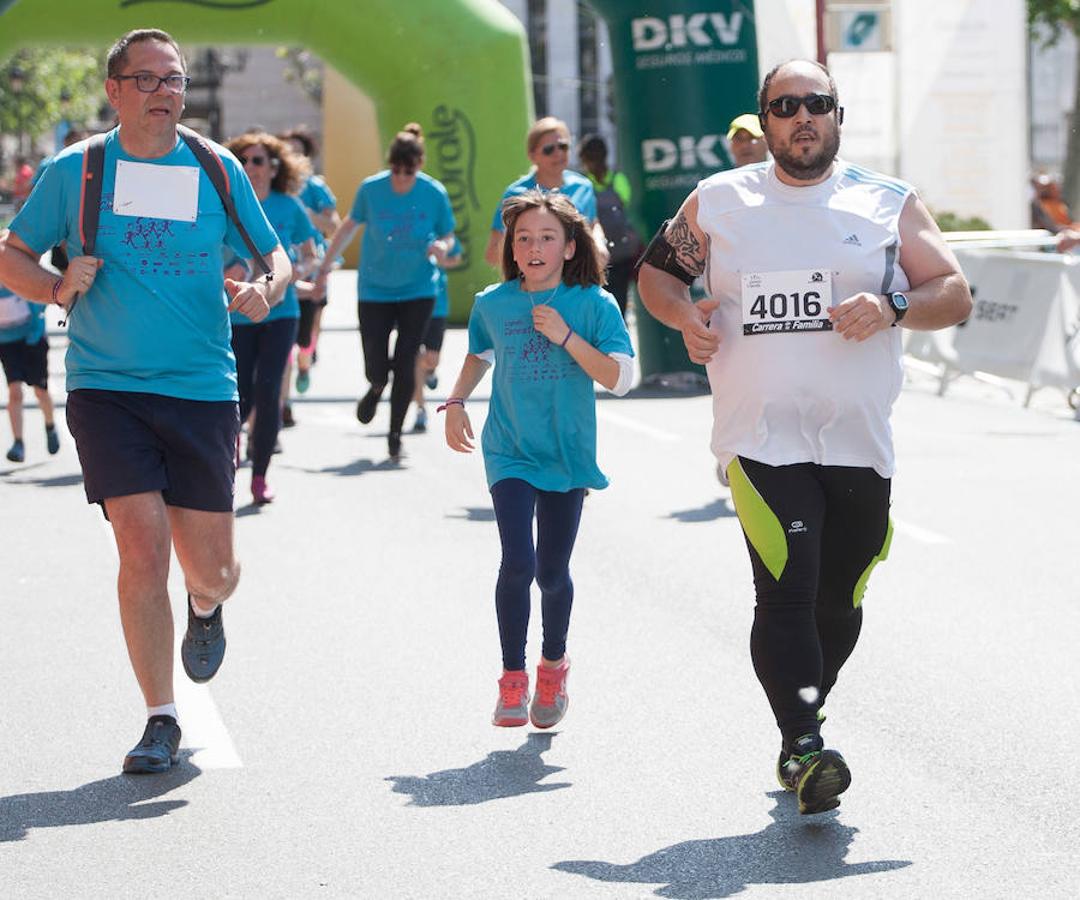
114 799
720 508
356 467
504 773
19 469
475 514
793 849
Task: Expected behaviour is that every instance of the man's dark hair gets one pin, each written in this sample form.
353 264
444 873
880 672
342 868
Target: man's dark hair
117 58
592 146
763 94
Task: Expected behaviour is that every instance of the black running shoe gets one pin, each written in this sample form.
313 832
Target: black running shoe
203 647
158 749
816 775
287 420
365 409
393 442
432 381
52 439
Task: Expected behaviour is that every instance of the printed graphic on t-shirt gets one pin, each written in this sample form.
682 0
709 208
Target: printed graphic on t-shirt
530 356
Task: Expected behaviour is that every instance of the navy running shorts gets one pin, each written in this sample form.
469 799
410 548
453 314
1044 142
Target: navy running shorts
26 363
131 443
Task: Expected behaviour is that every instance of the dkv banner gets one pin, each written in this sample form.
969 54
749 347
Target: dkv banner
683 69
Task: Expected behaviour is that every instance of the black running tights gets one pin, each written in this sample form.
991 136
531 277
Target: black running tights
377 320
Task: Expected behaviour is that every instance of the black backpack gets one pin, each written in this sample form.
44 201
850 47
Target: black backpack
623 241
90 193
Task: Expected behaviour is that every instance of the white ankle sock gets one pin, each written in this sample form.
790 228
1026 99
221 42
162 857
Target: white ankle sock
200 613
166 709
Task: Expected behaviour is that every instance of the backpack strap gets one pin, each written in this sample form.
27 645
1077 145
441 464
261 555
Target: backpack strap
90 192
215 170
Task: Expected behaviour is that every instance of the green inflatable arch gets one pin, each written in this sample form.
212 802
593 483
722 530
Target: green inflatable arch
458 67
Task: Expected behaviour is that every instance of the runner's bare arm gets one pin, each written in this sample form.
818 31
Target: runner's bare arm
668 298
939 295
493 250
22 274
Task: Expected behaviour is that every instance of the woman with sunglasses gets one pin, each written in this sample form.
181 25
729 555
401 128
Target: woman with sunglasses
262 349
548 147
408 235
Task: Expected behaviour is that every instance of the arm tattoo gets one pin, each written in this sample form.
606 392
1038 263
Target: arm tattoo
688 249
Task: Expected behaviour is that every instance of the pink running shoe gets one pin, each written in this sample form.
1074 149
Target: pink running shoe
512 709
550 702
261 492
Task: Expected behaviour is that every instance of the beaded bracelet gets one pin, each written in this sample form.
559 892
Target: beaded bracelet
451 401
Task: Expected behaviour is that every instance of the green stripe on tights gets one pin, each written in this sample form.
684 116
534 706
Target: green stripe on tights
762 527
882 555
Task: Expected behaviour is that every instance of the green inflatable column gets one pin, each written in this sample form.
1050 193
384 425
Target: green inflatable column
458 67
681 75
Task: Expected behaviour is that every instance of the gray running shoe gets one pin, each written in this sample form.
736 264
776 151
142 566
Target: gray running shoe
512 710
203 648
17 453
158 749
550 701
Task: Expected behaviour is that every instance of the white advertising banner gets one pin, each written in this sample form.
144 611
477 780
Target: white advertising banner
1022 324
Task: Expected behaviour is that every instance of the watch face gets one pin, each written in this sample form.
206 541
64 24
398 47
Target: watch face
899 300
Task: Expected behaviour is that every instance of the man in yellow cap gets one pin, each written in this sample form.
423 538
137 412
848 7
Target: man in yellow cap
745 138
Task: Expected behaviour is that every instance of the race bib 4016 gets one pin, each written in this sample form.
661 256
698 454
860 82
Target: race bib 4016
786 302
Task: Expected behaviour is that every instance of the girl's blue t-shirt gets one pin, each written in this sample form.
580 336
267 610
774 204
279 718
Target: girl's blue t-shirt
290 220
541 423
394 263
154 320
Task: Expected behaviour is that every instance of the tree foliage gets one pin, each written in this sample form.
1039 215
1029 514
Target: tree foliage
1055 16
50 74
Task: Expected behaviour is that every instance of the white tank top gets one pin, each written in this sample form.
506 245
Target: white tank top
808 396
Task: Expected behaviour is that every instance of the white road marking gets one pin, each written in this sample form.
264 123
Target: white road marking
203 728
920 534
634 425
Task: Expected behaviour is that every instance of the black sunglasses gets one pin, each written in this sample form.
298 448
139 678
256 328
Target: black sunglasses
548 149
254 160
786 106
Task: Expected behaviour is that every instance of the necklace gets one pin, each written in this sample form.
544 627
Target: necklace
548 299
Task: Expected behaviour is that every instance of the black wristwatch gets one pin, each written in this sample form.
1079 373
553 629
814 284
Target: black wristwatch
899 304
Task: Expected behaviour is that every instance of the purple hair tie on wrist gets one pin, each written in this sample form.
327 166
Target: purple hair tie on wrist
569 334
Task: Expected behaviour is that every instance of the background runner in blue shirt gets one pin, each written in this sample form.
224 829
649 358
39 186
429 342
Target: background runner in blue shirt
409 231
548 147
24 356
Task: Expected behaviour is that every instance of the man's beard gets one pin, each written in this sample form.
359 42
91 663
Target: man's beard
810 168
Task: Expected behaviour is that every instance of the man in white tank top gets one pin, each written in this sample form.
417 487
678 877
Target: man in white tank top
810 263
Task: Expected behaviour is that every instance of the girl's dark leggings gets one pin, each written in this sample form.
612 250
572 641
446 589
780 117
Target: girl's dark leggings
814 534
557 516
261 353
377 320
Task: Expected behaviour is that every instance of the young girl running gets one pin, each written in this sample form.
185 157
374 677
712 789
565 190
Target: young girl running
551 332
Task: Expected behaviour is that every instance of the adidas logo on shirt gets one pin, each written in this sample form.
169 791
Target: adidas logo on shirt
853 240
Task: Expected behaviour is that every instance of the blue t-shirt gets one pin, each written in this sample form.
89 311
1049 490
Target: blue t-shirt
316 195
442 293
155 320
394 264
541 424
576 188
290 220
30 330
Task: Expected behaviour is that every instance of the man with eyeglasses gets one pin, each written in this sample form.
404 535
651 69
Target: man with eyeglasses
152 380
809 262
548 147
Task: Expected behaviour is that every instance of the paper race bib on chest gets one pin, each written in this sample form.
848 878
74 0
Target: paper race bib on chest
786 302
156 192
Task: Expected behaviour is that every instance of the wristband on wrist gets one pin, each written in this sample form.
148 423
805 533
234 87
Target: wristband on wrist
569 334
451 401
56 291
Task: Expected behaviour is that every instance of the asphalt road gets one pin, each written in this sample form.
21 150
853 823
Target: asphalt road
345 749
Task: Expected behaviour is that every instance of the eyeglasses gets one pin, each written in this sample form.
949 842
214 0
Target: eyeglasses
147 82
786 106
254 160
548 149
